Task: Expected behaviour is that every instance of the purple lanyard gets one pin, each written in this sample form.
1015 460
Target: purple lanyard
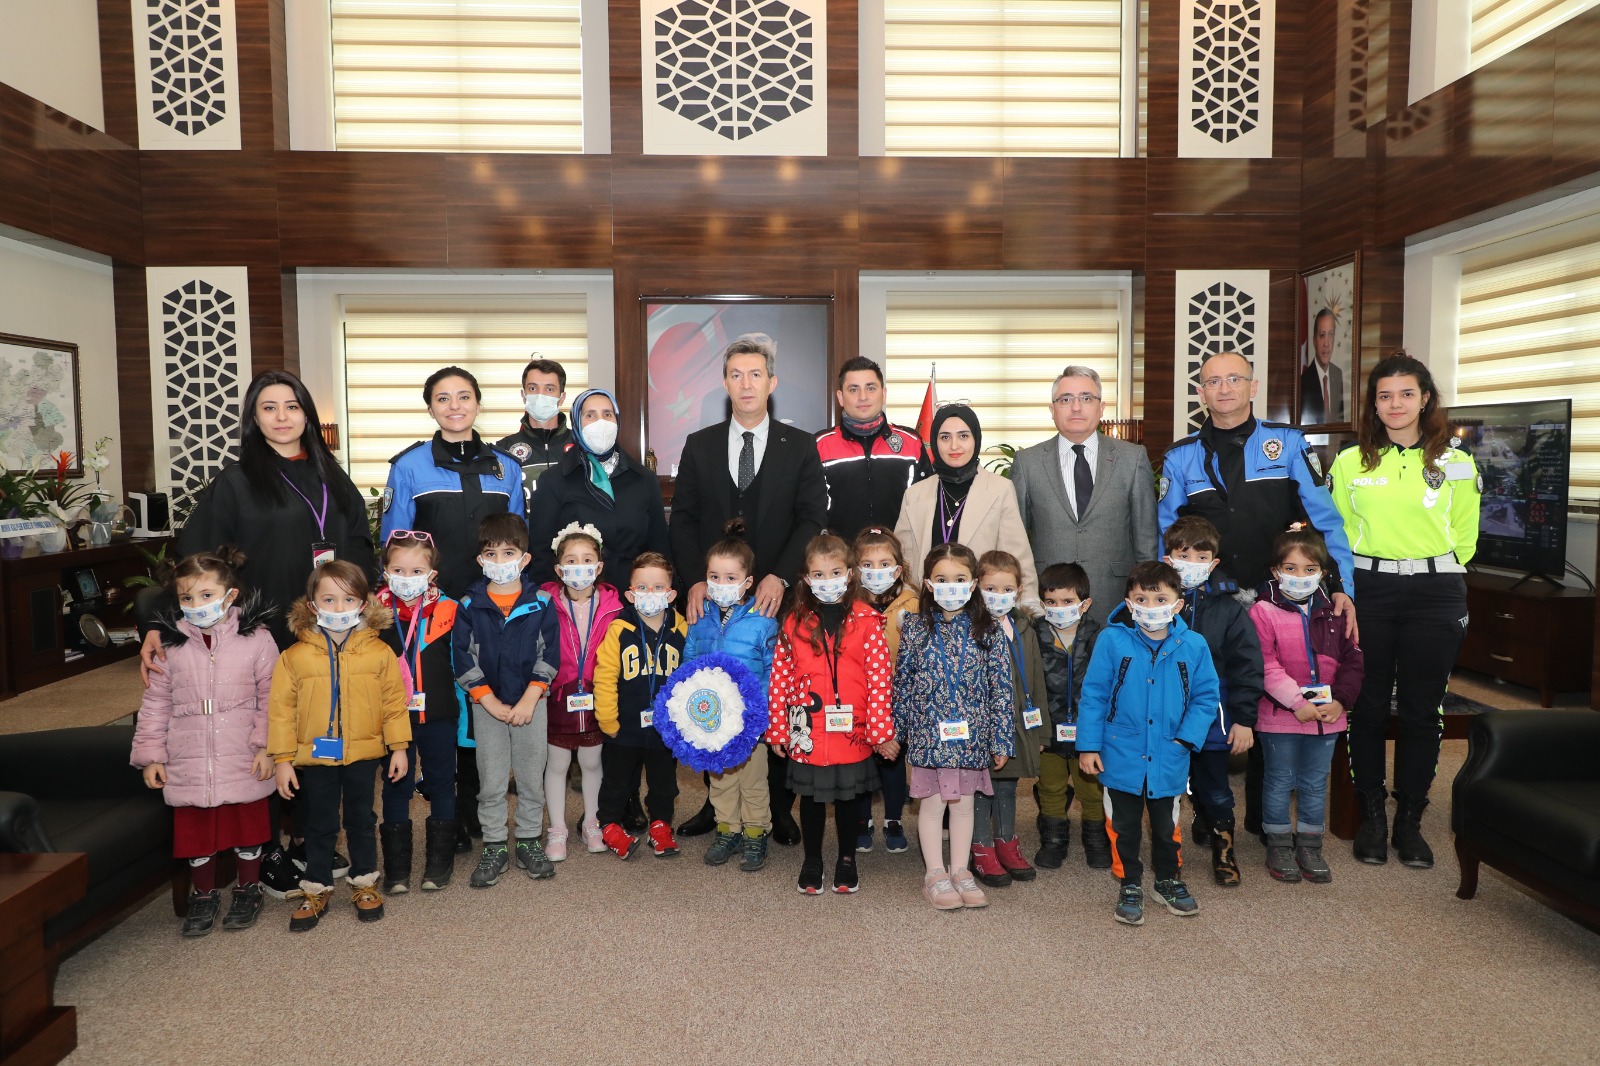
322 519
946 524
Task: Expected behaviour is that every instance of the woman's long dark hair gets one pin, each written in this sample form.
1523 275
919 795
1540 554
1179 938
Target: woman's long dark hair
1373 435
259 460
975 611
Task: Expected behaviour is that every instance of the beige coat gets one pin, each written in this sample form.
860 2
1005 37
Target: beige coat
990 521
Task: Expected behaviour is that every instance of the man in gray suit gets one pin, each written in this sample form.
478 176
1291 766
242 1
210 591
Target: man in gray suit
1087 498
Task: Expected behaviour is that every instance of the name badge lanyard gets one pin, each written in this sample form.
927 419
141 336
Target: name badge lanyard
1022 673
586 638
832 660
654 655
322 516
409 673
947 524
333 672
1311 655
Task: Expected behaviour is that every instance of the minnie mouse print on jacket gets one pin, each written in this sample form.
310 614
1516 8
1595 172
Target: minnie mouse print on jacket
803 684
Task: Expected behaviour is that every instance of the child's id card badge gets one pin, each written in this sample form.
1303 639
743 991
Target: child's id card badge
1317 694
579 702
1032 718
957 730
418 703
838 718
647 719
328 748
321 552
1066 733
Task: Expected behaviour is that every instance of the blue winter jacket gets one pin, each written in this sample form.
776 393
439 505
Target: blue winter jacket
746 635
1145 708
1213 613
506 652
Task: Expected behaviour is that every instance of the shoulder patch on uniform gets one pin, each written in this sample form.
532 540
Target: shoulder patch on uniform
1480 484
388 497
520 451
1272 448
1327 479
1455 442
395 458
1313 461
1166 483
895 442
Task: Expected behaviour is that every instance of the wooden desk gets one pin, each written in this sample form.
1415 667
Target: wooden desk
33 1030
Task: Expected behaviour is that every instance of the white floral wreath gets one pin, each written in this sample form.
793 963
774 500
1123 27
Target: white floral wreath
571 528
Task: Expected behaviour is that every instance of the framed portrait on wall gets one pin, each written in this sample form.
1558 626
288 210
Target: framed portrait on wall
1327 325
684 339
39 404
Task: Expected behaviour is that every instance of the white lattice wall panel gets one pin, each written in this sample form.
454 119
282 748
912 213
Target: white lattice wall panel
199 368
735 77
1217 310
186 74
1225 76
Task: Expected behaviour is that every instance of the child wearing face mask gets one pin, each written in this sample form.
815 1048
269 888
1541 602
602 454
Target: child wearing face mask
953 708
740 797
1067 636
1148 702
1313 675
881 568
1210 609
586 607
507 648
338 712
642 648
201 735
420 639
829 705
996 853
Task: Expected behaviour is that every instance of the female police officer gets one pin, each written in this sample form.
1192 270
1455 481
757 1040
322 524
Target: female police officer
1409 498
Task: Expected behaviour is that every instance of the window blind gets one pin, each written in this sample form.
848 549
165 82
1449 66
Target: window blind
998 352
392 344
1002 77
457 75
1530 330
1498 26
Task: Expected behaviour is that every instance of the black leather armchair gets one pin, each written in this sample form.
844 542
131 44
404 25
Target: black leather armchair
73 790
1527 802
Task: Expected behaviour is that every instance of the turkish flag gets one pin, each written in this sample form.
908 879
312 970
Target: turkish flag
930 400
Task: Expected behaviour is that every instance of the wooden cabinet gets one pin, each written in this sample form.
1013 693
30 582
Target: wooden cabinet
1530 633
33 635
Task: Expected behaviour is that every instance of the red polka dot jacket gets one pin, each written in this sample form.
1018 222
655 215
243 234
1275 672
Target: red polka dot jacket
802 685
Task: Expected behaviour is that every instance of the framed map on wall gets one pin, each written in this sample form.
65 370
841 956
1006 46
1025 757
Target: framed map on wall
39 404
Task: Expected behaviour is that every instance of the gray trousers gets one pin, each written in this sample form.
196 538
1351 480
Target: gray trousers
502 751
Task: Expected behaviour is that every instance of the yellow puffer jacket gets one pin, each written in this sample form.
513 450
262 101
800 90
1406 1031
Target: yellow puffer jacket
372 699
905 603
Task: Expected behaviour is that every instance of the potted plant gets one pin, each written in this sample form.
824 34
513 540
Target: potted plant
19 498
69 503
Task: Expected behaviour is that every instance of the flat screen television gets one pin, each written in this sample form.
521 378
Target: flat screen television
1524 454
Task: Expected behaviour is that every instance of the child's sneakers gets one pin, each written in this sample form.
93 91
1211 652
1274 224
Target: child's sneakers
279 876
1009 852
493 860
555 846
245 908
724 846
810 880
594 841
1130 905
364 894
619 841
662 842
988 867
202 913
967 888
864 838
1175 894
894 838
1308 856
531 857
755 852
1280 857
313 901
939 890
846 881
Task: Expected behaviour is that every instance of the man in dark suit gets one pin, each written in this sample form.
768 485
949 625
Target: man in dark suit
1322 381
768 474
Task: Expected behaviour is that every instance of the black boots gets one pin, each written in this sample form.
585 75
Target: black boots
1409 846
1224 867
396 840
703 822
1371 844
439 853
1055 838
1200 829
1096 846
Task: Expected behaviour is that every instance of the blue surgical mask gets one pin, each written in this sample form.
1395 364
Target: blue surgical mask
502 573
1064 617
578 576
999 603
950 595
207 616
1192 574
408 586
1154 617
725 593
1298 586
878 579
650 604
339 621
829 589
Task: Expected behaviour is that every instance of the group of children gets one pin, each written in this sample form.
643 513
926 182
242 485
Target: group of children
949 694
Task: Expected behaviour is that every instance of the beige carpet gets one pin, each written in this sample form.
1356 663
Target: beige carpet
656 961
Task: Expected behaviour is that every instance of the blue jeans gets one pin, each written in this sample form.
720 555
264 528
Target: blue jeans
1298 763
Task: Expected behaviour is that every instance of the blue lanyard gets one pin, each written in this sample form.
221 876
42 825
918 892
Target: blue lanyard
653 656
1022 673
333 671
952 678
322 519
1311 655
585 640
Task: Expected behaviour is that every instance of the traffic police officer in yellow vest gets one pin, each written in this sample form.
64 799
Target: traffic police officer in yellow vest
1409 497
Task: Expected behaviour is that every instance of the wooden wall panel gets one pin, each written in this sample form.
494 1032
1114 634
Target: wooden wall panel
362 209
1162 80
1073 214
210 208
932 214
268 321
263 74
528 212
117 70
1160 344
136 428
95 201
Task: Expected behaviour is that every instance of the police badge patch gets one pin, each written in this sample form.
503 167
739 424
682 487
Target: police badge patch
1314 462
1165 484
388 497
1272 449
1455 442
521 451
895 442
1480 484
1327 479
1433 476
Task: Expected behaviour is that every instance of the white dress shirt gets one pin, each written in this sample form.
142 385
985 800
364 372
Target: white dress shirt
1069 465
736 434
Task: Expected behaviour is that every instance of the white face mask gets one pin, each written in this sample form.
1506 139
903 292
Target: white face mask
650 604
209 615
829 589
1064 617
502 573
541 407
339 621
408 586
600 436
999 603
951 596
578 576
1152 617
1192 574
878 580
725 593
1298 586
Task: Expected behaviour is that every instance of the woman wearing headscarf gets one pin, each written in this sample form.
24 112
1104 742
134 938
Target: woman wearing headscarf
963 503
596 483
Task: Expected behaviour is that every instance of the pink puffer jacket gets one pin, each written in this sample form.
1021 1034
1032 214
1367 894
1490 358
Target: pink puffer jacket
1286 631
208 756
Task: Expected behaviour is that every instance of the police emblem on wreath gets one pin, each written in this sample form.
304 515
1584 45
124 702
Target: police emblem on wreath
1272 449
712 712
521 451
895 442
1433 476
